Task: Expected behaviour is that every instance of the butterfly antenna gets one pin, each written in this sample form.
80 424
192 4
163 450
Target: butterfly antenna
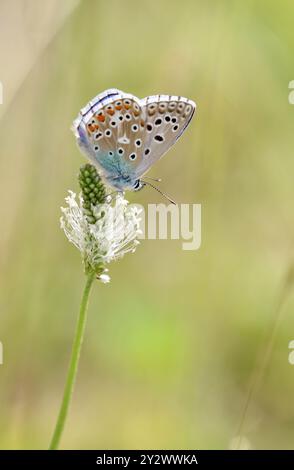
159 191
153 179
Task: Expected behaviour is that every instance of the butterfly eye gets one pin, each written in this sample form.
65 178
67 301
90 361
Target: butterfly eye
158 122
149 127
128 117
98 135
147 151
135 127
121 151
138 185
172 106
133 156
167 118
174 120
108 133
96 148
110 153
175 128
138 143
159 138
113 123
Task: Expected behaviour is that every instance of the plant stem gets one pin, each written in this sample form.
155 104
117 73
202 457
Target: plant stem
73 365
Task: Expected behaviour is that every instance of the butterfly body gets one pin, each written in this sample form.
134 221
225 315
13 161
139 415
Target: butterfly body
124 136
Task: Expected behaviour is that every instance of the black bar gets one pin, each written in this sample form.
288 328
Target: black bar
129 458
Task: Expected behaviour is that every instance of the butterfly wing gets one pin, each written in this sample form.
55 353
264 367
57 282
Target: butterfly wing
110 130
123 136
166 118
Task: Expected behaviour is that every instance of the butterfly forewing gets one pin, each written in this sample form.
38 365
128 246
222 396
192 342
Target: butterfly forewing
166 118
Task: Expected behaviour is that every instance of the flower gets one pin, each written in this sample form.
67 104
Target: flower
102 232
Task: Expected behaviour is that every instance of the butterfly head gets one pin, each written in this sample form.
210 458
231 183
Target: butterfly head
138 185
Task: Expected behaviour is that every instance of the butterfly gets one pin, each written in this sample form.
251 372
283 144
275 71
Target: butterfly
123 136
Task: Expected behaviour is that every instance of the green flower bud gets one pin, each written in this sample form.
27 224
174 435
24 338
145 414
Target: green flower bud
93 190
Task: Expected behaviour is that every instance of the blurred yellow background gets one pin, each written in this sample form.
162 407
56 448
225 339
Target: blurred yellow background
172 341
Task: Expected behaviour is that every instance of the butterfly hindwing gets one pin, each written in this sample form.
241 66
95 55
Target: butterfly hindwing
109 131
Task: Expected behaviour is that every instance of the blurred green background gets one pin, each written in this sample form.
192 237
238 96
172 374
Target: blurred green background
172 341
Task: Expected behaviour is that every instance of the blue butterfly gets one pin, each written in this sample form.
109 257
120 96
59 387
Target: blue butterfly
124 136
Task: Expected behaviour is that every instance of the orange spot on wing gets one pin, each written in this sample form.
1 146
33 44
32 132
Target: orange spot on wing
127 106
118 107
101 118
110 111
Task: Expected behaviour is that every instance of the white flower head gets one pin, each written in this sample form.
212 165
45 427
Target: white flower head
111 236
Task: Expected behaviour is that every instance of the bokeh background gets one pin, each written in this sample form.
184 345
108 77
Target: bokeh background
173 341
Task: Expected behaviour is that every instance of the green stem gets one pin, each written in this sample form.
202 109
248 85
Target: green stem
73 365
